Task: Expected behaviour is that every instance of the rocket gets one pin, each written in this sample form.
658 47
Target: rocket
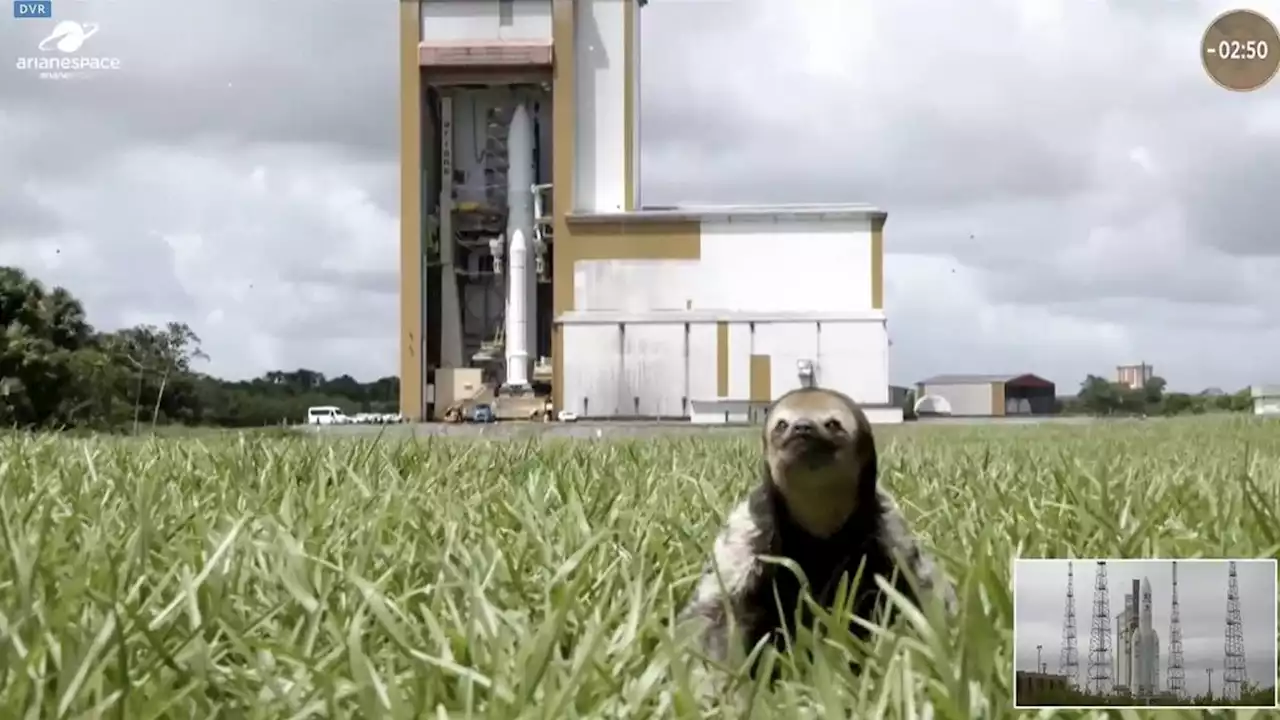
1137 655
1146 647
521 284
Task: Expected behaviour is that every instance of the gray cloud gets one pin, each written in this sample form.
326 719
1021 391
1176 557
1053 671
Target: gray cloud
1040 590
1067 191
286 71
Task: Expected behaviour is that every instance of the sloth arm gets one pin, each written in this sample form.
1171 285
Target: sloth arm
902 545
733 573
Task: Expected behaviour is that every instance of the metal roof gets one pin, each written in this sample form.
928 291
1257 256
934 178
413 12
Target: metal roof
731 213
613 317
975 379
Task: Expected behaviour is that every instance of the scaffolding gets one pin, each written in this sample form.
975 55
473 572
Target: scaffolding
1099 682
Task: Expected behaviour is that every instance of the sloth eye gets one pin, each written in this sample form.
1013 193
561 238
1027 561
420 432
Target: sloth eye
780 425
833 425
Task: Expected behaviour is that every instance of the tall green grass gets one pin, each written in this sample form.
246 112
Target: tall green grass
280 578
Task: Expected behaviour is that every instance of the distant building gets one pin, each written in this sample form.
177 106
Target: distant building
1134 377
898 395
988 395
1266 400
1031 684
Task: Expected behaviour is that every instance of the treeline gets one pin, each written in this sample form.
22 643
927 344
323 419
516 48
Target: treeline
1251 695
57 371
1099 396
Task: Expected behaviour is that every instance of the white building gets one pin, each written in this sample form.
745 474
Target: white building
774 299
1266 400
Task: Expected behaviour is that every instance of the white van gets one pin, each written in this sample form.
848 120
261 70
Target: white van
326 415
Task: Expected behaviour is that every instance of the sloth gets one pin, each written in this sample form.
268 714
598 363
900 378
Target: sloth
817 504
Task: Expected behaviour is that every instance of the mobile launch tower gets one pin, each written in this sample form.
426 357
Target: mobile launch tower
530 268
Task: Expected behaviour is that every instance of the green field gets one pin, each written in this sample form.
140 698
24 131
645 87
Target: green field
263 577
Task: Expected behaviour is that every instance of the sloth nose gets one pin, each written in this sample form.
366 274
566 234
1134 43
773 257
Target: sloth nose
804 427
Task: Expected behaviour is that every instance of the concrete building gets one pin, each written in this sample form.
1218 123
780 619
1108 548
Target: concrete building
991 395
1266 400
1134 377
526 250
1030 686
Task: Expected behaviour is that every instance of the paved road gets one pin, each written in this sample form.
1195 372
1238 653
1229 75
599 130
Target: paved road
624 429
511 430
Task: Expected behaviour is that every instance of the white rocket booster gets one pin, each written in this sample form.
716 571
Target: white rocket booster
1146 681
1124 653
1146 648
520 282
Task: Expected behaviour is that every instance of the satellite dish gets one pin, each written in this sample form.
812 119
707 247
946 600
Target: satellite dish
932 405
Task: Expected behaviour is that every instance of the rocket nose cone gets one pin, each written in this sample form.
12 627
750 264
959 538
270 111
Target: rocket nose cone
518 241
519 116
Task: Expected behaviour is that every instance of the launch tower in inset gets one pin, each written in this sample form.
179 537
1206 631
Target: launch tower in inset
1234 674
1099 681
1176 675
1068 659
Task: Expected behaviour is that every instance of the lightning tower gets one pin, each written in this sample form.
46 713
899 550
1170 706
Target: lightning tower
1176 674
1068 658
1233 668
1100 636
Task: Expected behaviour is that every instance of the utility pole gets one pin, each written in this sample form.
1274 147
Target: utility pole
1210 671
1039 664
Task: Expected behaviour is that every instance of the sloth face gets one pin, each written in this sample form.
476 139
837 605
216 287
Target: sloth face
820 456
812 429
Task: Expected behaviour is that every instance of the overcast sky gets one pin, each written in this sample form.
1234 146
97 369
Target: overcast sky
1040 593
1066 189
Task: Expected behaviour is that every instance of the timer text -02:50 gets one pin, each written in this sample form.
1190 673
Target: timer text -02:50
1242 50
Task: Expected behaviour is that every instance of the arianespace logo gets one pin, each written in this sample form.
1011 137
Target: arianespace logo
62 56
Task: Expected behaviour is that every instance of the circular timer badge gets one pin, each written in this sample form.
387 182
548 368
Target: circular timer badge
1241 50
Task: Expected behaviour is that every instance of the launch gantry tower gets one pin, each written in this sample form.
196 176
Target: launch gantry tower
1234 674
1069 659
1099 681
1176 675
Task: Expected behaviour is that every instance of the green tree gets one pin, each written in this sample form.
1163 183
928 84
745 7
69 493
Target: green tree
41 332
1100 396
56 371
1153 391
159 362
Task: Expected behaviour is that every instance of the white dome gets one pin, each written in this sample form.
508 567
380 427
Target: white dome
932 405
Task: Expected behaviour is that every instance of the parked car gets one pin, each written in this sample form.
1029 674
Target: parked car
482 414
326 415
568 416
